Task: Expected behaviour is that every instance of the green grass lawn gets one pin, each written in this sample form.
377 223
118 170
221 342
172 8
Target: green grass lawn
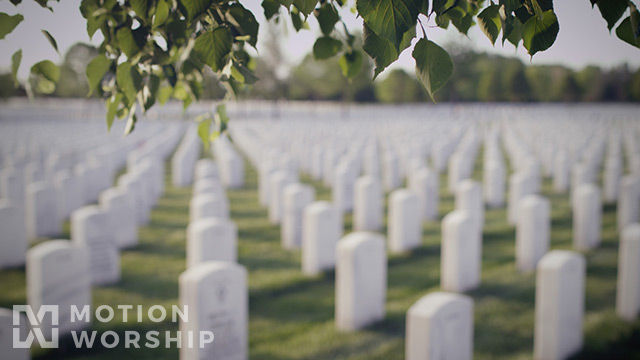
291 316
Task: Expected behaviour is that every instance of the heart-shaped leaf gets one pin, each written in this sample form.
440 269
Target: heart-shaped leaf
433 65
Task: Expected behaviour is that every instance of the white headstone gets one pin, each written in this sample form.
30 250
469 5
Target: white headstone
217 297
469 199
560 282
42 211
295 198
135 187
90 228
519 187
342 189
611 179
328 167
211 239
390 171
69 192
628 201
208 205
58 273
458 164
561 173
580 175
404 224
425 184
206 169
494 184
7 349
361 280
440 326
317 158
264 176
146 173
533 231
208 186
120 206
13 238
587 217
232 170
277 183
368 204
321 230
461 253
628 296
12 186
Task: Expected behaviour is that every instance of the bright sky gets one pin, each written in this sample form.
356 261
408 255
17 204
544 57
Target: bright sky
583 38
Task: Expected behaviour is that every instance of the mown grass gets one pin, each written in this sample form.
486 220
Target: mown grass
291 316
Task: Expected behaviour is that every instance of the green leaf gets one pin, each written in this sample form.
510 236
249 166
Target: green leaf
490 23
539 34
443 21
390 19
16 2
151 91
244 22
16 58
523 14
440 6
242 74
129 81
8 23
204 130
512 32
351 64
305 6
131 122
625 32
271 8
286 3
88 9
221 117
46 68
170 74
327 18
213 47
381 50
96 69
464 23
51 40
612 10
511 5
162 13
326 47
433 65
127 42
47 75
195 7
635 20
141 8
297 21
164 94
112 108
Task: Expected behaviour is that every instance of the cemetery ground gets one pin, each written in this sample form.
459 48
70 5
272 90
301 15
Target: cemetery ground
292 316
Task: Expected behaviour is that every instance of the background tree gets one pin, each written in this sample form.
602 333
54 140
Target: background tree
161 48
399 87
73 80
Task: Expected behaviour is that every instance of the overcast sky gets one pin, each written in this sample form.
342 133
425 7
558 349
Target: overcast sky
583 38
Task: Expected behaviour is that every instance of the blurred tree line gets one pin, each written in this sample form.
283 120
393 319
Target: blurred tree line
477 77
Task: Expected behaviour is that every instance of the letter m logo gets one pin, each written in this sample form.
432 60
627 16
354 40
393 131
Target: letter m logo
39 326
